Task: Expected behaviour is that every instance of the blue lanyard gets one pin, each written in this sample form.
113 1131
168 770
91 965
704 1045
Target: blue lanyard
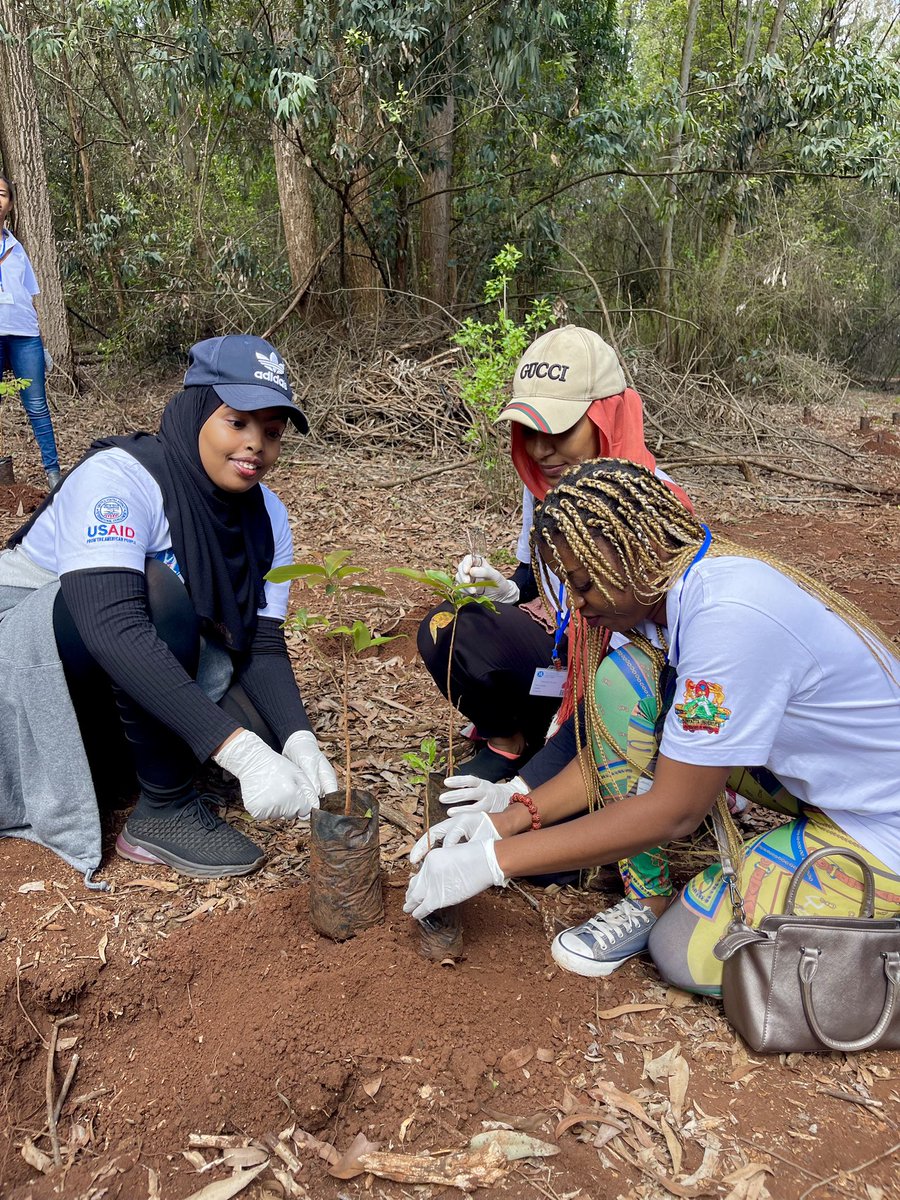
707 539
2 252
562 623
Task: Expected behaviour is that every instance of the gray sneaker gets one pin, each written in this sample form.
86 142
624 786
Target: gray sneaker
188 837
606 941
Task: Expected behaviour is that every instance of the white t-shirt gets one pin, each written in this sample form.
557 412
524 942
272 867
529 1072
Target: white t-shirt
17 279
768 676
109 513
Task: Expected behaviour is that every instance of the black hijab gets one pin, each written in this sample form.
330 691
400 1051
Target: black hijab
222 540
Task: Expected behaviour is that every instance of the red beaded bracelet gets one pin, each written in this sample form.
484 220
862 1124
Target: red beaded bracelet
519 798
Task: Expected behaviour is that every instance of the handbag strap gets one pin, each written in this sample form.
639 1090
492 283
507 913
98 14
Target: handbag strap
730 847
867 905
731 855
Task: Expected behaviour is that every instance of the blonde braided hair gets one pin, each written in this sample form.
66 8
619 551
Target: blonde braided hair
654 539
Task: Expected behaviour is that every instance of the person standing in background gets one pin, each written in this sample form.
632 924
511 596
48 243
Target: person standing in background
21 347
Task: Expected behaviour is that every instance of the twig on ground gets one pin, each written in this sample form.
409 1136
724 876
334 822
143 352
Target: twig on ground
19 1000
64 1090
851 1170
531 900
51 1099
789 1162
454 466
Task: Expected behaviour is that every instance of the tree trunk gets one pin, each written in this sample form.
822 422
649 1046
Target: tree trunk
667 253
21 147
358 267
296 202
434 254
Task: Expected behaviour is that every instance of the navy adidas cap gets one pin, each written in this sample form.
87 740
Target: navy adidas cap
246 373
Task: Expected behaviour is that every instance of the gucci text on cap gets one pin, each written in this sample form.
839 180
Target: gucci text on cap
558 378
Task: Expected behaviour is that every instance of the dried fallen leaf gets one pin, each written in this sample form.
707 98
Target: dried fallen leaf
101 948
678 1086
153 1192
544 1056
371 1086
244 1156
673 1145
195 1158
405 1124
348 1165
464 1169
610 1094
513 1144
325 1150
67 1043
36 1158
676 998
156 885
585 1116
747 1172
528 1124
513 1060
205 907
610 1014
224 1189
36 885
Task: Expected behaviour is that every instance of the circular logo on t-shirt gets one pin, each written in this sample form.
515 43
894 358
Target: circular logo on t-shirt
111 510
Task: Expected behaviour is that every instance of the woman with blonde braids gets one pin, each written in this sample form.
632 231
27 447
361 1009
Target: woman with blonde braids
776 683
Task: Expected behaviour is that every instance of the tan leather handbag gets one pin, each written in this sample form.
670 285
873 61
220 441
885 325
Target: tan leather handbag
804 983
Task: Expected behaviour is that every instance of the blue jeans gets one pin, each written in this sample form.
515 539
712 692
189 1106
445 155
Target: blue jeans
24 356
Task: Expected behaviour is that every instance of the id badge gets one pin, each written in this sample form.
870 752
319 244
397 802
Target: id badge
548 681
6 298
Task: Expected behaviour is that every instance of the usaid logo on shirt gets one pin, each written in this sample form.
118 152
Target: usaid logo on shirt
274 369
111 514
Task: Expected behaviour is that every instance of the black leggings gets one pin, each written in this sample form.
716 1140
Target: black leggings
495 655
121 739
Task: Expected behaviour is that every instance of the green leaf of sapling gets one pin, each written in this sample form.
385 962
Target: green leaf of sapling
294 571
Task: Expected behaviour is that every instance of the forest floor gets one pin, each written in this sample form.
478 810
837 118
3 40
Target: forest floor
214 1009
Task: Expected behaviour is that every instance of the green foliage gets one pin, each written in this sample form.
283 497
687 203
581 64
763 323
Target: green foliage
12 387
334 575
427 760
493 348
446 589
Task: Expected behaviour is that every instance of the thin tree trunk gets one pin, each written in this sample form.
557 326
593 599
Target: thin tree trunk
296 202
434 257
23 158
667 253
359 270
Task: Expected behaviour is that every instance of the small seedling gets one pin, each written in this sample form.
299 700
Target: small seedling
336 574
458 596
10 387
424 762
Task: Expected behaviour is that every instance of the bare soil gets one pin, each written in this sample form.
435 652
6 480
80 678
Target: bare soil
214 1008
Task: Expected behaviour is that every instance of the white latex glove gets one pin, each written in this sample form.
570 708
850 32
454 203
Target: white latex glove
471 794
305 753
448 877
271 786
475 569
467 827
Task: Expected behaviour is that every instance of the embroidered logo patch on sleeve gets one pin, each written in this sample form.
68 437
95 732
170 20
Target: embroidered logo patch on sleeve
703 707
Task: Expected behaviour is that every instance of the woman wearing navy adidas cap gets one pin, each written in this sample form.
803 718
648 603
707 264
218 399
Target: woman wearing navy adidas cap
148 565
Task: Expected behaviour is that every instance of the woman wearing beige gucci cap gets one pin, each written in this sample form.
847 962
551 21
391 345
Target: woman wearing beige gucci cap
570 403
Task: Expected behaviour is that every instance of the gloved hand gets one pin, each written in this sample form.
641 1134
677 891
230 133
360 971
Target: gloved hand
474 569
468 827
271 786
471 794
304 752
448 877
